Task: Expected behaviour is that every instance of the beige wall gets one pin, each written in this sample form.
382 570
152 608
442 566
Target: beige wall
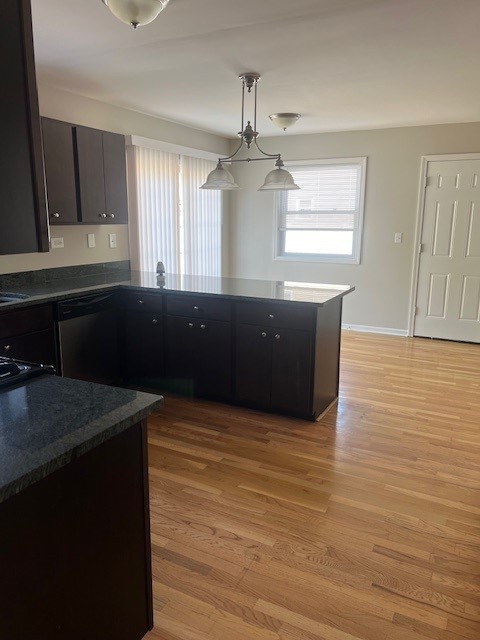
383 278
73 108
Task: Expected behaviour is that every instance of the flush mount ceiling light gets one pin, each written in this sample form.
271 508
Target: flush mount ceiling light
136 13
284 120
277 180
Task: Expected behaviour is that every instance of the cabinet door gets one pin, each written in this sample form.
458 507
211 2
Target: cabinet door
181 354
23 219
38 347
213 377
253 371
143 348
115 172
292 371
91 185
59 171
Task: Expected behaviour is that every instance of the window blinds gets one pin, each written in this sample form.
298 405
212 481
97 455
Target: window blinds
171 218
329 198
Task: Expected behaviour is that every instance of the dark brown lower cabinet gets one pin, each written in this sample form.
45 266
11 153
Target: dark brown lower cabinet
75 549
29 334
198 357
143 349
38 346
274 369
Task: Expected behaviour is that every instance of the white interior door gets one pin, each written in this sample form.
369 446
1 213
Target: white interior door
448 292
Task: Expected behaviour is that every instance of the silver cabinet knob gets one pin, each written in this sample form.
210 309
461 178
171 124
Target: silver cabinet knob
203 326
264 335
271 316
102 215
195 308
277 336
154 321
55 215
112 215
7 347
140 302
191 325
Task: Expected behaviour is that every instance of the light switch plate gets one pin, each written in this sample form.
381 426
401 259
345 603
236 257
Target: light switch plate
91 240
398 238
112 240
57 243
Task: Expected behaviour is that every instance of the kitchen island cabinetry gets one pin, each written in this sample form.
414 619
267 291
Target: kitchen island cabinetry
198 345
74 512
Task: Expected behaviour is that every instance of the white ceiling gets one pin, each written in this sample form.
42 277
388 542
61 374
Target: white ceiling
343 64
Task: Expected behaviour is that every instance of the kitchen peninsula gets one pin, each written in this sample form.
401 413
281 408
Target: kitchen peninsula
270 345
74 511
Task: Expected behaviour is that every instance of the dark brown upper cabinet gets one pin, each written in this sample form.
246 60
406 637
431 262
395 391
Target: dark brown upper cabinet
101 176
59 160
23 219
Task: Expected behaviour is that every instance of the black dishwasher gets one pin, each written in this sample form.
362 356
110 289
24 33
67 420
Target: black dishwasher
88 337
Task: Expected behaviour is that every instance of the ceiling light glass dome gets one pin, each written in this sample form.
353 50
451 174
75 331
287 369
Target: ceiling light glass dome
220 179
136 12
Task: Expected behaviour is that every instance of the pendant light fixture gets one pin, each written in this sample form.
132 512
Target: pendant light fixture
277 180
136 13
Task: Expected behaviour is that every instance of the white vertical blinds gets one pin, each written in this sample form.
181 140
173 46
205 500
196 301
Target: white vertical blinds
172 220
201 211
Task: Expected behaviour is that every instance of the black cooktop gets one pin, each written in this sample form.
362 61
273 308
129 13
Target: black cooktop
13 371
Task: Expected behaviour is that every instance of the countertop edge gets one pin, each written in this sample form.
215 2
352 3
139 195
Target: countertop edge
30 477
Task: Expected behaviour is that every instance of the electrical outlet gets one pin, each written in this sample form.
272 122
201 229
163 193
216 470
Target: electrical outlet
398 238
91 240
57 243
112 240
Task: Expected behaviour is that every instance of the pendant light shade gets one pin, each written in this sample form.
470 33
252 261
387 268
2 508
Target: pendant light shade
220 179
279 180
284 120
136 12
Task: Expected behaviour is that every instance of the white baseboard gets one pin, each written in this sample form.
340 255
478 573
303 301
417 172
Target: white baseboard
368 329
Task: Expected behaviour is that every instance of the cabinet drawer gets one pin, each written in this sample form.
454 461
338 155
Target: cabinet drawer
199 307
267 314
138 301
15 323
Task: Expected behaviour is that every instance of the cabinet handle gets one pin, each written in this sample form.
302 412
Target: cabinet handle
264 335
7 347
195 308
277 336
112 215
191 325
203 326
271 316
155 321
55 215
140 302
102 215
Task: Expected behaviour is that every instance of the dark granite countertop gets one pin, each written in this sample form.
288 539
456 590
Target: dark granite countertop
235 288
48 421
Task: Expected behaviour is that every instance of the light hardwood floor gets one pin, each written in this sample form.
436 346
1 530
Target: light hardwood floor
365 525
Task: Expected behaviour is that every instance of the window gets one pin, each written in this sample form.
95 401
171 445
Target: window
323 220
173 220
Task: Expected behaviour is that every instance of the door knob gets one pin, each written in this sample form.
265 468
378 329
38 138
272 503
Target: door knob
277 336
203 326
191 325
155 321
264 335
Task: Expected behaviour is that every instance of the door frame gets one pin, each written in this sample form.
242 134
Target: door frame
425 160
